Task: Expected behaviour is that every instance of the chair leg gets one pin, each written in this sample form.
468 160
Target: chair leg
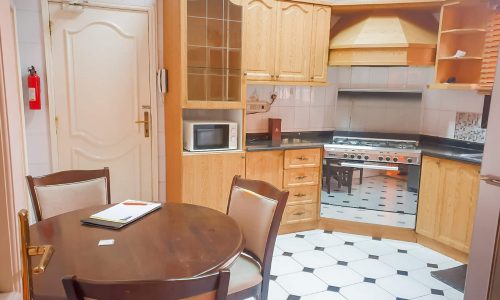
360 176
349 181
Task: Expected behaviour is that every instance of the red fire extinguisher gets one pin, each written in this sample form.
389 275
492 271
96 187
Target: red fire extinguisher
34 89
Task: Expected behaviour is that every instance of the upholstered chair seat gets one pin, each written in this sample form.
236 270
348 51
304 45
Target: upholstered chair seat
245 274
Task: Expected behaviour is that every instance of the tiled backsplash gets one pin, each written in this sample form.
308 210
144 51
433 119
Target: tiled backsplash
468 128
301 108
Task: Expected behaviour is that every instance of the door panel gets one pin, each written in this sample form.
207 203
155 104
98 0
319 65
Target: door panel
294 41
102 87
259 30
266 166
429 197
320 43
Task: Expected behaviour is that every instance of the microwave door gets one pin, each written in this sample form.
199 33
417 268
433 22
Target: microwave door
211 137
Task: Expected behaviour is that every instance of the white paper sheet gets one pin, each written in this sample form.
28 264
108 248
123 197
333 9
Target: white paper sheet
126 211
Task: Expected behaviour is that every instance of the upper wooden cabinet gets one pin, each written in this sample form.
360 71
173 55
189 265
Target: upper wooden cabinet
259 17
285 41
447 202
294 41
213 46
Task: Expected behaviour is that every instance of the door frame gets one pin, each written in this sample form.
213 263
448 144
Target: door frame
153 62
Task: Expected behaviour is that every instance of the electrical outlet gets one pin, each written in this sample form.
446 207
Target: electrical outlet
258 107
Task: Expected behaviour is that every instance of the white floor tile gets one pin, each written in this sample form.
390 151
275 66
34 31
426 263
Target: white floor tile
449 265
431 297
453 294
301 284
311 232
346 253
348 237
429 256
403 245
424 277
284 265
372 268
374 247
403 287
294 245
324 240
326 295
277 251
365 291
402 261
276 291
285 236
314 259
338 276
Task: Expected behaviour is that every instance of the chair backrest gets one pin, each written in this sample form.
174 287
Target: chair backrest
208 287
27 250
66 191
257 206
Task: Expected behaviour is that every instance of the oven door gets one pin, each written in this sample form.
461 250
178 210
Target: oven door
210 137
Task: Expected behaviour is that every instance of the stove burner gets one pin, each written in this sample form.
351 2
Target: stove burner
376 143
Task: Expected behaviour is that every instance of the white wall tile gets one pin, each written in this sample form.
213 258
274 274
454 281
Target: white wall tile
301 122
379 77
344 75
318 95
360 77
397 77
316 118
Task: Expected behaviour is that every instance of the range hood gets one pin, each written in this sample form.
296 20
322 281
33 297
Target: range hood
384 38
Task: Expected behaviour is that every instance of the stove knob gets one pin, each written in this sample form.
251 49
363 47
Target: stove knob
395 159
410 160
388 158
353 156
367 157
345 155
359 156
381 158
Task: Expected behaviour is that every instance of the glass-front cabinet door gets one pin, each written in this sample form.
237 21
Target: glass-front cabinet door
214 54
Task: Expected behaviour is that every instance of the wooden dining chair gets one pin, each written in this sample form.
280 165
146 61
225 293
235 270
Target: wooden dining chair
66 191
208 287
27 250
257 207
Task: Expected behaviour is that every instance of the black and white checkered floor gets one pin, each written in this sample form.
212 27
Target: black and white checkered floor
318 264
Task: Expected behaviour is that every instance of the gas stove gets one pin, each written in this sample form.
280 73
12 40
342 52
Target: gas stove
374 150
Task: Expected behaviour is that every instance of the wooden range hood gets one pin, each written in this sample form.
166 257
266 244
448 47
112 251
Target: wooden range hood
384 38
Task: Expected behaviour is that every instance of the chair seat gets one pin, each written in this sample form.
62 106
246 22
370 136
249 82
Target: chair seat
245 273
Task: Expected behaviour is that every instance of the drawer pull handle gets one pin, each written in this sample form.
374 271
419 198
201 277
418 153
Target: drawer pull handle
302 158
299 213
300 195
300 177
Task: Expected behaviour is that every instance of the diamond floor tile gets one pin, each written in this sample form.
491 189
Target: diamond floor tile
301 284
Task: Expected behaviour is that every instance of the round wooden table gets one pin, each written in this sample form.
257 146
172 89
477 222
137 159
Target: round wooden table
177 241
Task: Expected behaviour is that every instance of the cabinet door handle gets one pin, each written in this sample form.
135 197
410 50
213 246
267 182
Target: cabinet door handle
299 213
493 180
245 74
299 195
300 177
302 158
278 76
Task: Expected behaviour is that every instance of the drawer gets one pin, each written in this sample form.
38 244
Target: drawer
303 158
303 195
298 177
300 213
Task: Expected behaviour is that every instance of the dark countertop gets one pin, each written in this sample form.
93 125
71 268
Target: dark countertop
430 146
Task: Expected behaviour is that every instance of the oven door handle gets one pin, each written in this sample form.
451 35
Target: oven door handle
369 166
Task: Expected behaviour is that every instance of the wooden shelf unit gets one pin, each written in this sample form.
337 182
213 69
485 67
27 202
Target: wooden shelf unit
462 27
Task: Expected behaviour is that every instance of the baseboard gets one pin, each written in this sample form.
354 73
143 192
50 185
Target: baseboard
443 249
289 228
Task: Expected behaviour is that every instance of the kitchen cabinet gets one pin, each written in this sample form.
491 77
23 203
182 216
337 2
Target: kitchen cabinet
296 171
447 202
259 17
285 41
266 166
207 178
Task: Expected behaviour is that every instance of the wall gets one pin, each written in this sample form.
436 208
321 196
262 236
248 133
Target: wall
301 108
31 49
309 108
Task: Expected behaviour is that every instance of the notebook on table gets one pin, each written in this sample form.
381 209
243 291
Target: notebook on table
121 214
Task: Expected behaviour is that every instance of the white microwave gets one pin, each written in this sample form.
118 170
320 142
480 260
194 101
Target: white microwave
210 135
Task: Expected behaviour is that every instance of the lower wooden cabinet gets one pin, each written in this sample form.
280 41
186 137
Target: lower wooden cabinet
296 171
447 202
207 178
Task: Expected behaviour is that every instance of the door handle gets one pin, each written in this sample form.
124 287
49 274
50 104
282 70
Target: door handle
146 123
493 180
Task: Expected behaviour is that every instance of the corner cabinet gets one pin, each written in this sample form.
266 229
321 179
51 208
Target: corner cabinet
285 41
207 178
447 203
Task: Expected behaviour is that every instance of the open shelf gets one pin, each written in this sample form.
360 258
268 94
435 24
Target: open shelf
461 58
464 31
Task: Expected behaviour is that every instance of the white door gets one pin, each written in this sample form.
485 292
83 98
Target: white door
101 78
